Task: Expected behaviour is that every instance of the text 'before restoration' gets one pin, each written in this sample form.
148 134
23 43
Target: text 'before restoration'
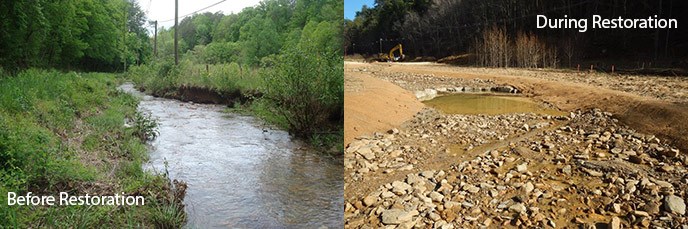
64 199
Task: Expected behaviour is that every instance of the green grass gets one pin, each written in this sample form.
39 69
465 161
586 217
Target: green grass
63 132
163 77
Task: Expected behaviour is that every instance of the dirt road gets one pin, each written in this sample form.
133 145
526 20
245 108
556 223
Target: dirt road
614 160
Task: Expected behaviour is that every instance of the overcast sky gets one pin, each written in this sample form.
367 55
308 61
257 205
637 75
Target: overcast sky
162 10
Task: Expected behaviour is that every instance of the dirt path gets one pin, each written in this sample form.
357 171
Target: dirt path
374 105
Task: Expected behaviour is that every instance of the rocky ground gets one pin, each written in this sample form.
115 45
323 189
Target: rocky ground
583 169
526 170
667 88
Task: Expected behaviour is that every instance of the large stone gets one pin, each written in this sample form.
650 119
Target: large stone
387 194
472 189
367 153
400 188
518 208
414 179
370 200
426 94
397 216
615 223
674 204
522 168
528 187
503 89
436 196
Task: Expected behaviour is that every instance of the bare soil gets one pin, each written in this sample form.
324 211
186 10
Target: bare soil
373 104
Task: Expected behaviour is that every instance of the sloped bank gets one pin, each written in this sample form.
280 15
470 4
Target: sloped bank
75 133
205 95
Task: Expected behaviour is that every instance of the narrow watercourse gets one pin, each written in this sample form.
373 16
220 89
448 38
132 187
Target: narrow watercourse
240 172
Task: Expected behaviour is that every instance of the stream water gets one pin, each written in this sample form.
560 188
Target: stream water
240 172
472 104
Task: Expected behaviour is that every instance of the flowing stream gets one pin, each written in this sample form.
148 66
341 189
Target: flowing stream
240 172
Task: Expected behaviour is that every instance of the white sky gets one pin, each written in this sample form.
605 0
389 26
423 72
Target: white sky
164 9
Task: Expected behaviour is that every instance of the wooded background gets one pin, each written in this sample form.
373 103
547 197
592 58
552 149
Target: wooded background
439 28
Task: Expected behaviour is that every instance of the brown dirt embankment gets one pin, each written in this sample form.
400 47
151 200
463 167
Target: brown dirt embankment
204 95
372 104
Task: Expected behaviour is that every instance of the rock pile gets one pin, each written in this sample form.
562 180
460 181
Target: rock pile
584 170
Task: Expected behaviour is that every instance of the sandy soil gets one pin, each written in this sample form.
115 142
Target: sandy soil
374 105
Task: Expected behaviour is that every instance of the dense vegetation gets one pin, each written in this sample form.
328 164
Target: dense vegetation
440 28
78 35
285 56
65 132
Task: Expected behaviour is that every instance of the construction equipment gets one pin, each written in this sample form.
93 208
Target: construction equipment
391 57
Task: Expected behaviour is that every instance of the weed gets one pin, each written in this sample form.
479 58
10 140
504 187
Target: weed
145 126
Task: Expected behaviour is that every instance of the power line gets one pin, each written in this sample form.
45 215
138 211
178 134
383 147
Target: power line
194 11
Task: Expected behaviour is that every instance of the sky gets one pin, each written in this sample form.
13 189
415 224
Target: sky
162 10
353 6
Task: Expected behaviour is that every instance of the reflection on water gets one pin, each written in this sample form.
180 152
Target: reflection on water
487 104
240 173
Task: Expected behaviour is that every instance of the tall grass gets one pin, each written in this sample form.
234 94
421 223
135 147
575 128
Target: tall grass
64 132
163 77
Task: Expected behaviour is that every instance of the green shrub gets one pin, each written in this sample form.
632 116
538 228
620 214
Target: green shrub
145 127
306 88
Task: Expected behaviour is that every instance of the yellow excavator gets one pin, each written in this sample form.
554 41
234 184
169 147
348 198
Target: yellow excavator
391 57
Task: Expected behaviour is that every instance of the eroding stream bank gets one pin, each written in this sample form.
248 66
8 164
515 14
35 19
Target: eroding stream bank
240 172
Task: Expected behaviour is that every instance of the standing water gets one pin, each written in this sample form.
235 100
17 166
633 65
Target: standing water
241 173
473 104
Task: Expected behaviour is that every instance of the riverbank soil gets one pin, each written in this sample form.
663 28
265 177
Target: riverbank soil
613 155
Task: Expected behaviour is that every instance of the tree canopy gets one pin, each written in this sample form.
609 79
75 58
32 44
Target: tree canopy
78 34
254 35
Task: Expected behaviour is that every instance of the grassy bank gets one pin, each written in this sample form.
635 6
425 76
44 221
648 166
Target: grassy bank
65 132
300 92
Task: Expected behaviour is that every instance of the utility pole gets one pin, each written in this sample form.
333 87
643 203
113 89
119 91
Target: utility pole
124 38
176 31
155 40
380 45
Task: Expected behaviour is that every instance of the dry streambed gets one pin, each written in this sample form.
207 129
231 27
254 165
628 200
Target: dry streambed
581 169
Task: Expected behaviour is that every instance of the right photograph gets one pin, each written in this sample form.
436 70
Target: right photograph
528 114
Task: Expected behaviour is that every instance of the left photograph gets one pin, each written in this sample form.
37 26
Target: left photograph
171 114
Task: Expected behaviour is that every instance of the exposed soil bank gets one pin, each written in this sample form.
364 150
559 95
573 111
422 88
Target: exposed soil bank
205 95
391 104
